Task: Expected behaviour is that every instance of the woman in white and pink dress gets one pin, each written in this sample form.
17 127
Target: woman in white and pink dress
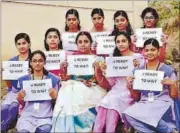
119 97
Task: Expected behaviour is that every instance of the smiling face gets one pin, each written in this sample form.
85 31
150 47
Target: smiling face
52 40
149 20
122 43
151 52
121 23
37 62
22 46
98 21
83 44
72 22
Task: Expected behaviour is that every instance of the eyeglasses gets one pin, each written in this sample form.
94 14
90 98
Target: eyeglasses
149 17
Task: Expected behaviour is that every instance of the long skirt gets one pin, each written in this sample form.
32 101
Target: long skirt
75 107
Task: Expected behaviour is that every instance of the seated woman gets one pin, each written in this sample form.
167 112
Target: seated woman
52 42
10 106
155 108
36 116
74 110
119 97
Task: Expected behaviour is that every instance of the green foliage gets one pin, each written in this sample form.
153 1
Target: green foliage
168 14
169 20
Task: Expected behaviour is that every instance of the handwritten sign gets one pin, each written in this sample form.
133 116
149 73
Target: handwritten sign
80 65
53 59
37 89
14 69
148 80
105 45
96 35
119 66
146 33
68 41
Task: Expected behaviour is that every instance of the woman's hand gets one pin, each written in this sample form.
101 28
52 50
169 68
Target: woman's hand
173 87
164 38
136 63
64 65
129 81
21 95
168 81
87 83
53 93
100 67
63 71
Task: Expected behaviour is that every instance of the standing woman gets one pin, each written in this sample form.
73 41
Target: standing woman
9 108
75 106
119 97
52 42
122 23
72 21
155 109
150 19
72 27
97 16
36 115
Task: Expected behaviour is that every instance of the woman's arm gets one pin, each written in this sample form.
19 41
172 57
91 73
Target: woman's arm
63 72
20 97
134 93
101 79
173 85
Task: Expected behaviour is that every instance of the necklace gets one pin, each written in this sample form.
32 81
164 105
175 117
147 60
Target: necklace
36 104
151 93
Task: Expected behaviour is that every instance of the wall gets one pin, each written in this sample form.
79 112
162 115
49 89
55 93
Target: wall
35 17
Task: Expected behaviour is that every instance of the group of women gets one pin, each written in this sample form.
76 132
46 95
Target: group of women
93 103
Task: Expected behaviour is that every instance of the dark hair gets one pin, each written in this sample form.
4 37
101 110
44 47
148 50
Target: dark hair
151 10
25 37
116 50
152 41
43 55
98 11
45 37
75 13
129 29
86 34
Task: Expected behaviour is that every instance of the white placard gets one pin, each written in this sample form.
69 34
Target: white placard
80 64
119 66
54 58
68 41
96 35
105 45
99 34
148 80
37 89
12 70
145 33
